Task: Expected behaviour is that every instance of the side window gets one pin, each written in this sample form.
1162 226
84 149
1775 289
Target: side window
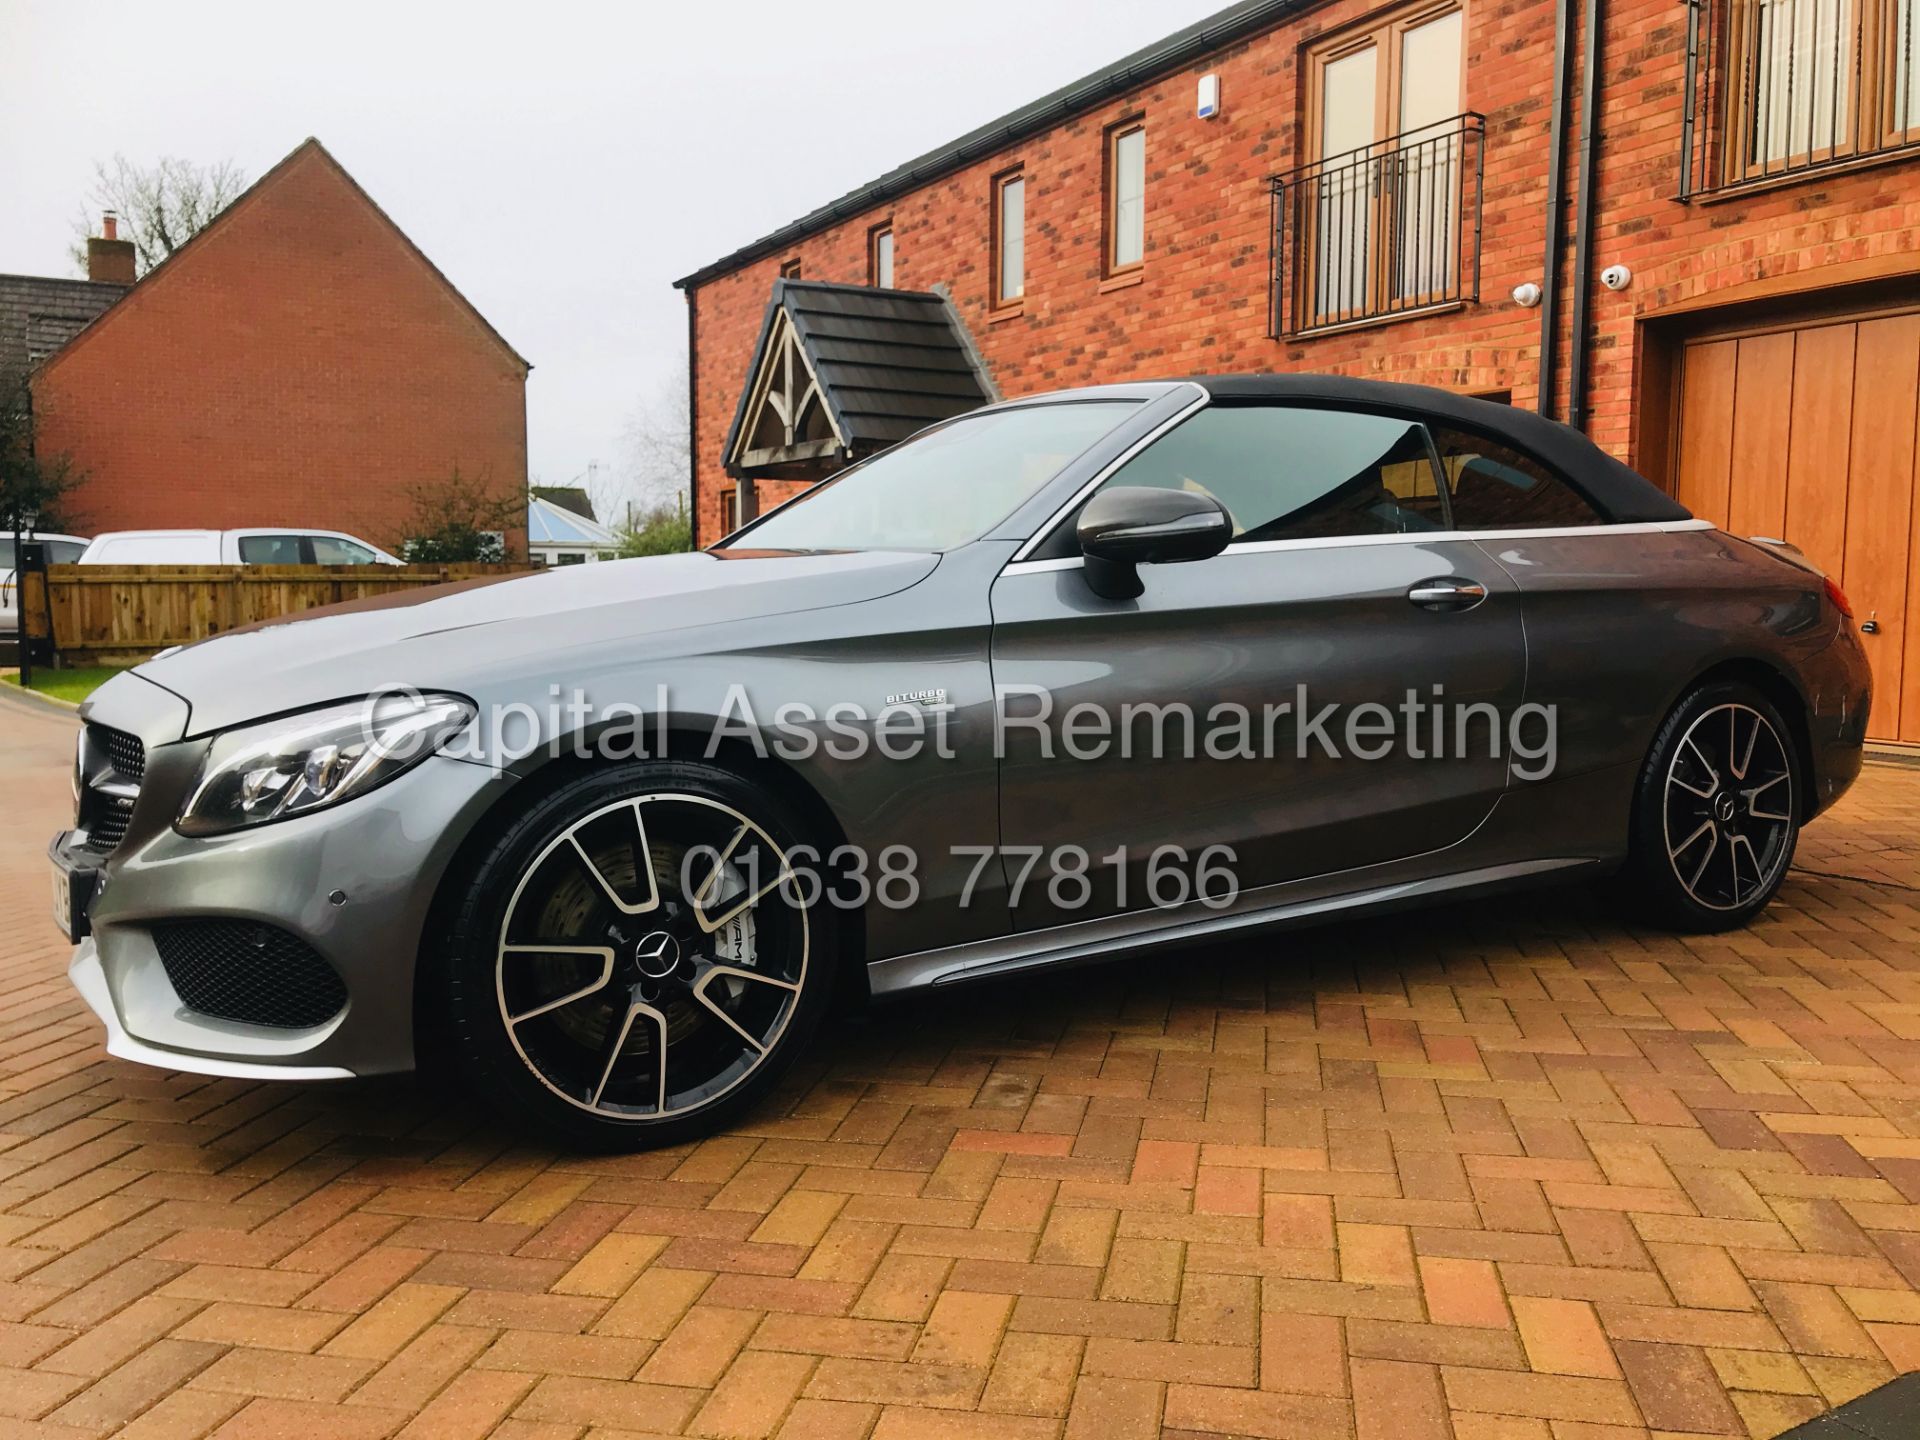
1294 473
331 550
1496 488
63 552
270 550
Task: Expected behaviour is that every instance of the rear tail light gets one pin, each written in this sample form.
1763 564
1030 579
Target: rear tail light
1837 596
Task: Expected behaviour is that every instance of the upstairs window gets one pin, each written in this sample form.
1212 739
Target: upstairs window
1780 86
1385 128
1126 197
880 256
1009 238
790 269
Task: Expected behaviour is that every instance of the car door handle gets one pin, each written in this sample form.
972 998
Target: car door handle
1447 593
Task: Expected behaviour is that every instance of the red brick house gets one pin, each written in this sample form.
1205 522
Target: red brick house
1709 259
298 362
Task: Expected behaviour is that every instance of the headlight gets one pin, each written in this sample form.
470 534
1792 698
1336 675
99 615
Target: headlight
299 763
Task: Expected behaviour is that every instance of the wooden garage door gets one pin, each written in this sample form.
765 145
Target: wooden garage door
1807 433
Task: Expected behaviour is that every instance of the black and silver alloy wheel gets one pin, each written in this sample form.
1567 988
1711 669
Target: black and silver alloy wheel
649 966
1729 806
1717 811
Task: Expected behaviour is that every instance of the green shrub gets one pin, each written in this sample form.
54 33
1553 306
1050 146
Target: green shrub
663 530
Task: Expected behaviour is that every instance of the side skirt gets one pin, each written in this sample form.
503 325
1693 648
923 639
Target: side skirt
1265 908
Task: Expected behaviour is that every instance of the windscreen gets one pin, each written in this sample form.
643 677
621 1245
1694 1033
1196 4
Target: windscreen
943 488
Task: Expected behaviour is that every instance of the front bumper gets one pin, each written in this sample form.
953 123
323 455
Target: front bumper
89 977
382 855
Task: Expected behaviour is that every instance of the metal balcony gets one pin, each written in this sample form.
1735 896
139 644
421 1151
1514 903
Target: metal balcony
1776 88
1387 230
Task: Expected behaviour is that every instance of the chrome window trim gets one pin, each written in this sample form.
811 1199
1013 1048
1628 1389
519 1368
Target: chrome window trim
1199 402
1332 542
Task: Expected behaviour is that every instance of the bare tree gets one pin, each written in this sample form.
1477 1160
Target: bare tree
655 446
162 205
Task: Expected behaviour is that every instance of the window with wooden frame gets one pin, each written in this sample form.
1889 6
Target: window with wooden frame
1126 187
790 269
880 256
1387 146
1814 81
1009 239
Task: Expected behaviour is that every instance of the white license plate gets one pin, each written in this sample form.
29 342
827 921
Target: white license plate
63 901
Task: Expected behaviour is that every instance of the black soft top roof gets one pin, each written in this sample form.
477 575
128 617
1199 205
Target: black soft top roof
1617 492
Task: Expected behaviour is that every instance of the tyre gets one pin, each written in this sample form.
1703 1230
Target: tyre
631 963
1716 811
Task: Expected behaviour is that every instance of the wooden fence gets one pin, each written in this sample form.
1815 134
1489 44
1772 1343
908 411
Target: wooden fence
105 614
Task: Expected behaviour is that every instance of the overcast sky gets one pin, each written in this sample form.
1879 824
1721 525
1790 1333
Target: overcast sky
563 163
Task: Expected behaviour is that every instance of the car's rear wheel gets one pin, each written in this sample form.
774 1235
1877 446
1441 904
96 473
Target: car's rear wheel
632 963
1716 813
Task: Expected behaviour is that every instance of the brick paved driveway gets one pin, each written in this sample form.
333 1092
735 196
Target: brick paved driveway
1507 1169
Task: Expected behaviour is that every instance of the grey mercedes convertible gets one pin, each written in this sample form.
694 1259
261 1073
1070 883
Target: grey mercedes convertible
1114 669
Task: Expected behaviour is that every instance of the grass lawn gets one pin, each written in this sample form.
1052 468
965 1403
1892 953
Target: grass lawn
75 684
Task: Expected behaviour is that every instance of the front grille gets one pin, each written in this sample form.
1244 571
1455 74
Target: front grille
243 970
128 755
112 765
107 826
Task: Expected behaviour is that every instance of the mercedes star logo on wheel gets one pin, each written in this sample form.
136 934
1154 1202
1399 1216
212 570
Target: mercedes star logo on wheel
656 955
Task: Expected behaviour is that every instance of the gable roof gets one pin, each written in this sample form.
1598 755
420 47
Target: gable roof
309 148
39 314
1182 47
551 524
885 363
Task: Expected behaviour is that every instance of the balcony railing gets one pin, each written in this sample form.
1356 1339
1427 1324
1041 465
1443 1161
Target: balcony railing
1390 229
1779 87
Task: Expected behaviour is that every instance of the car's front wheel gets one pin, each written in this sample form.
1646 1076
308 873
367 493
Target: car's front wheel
1716 813
632 963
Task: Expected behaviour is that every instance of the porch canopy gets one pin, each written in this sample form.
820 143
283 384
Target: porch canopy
841 371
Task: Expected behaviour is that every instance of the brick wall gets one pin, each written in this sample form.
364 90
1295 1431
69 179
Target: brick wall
1201 304
300 363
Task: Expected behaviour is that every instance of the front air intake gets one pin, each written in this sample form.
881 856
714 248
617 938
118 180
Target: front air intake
243 970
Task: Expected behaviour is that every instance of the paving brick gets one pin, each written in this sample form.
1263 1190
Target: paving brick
1463 1292
1376 1255
1676 1388
471 1407
700 1347
753 1396
1269 1413
1034 1375
1546 1397
1563 1337
1115 1409
889 1382
1393 1400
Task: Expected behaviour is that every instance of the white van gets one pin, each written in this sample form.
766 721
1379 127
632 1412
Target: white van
61 550
233 547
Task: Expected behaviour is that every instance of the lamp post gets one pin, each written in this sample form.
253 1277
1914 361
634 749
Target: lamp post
22 641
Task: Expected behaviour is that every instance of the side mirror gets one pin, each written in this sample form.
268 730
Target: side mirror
1132 525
